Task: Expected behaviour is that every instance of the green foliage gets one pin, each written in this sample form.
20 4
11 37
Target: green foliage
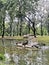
38 31
1 4
18 9
4 1
2 57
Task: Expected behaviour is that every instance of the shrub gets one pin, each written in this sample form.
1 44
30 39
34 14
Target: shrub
2 57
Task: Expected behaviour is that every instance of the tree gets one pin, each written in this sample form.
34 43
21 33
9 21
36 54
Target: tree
2 17
19 8
1 5
3 20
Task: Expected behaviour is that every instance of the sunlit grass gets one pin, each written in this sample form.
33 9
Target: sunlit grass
18 38
44 39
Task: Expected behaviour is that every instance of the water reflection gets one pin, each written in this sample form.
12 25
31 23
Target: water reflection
23 56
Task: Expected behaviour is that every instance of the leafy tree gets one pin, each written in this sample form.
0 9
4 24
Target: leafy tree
18 9
1 16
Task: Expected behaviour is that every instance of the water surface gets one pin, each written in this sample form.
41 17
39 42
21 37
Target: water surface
22 56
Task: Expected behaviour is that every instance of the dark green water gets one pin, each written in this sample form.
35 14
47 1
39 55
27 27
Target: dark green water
22 56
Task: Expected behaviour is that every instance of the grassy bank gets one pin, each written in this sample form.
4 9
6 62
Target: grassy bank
18 38
43 39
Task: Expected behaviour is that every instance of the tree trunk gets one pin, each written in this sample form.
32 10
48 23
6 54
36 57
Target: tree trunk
3 29
29 27
48 29
17 28
34 30
20 26
11 29
41 30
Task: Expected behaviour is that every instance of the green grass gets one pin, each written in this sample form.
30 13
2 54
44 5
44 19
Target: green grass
43 39
18 38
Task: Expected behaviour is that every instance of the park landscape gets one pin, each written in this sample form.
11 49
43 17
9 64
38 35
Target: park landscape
24 32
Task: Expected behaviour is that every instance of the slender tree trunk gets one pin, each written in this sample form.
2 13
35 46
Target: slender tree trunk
29 27
48 29
41 29
17 29
1 25
11 29
34 30
3 29
20 16
20 26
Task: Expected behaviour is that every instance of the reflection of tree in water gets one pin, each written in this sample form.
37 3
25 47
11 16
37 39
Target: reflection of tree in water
22 59
25 56
4 46
41 58
47 57
30 57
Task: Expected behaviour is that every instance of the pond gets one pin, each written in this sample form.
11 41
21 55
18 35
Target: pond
10 54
